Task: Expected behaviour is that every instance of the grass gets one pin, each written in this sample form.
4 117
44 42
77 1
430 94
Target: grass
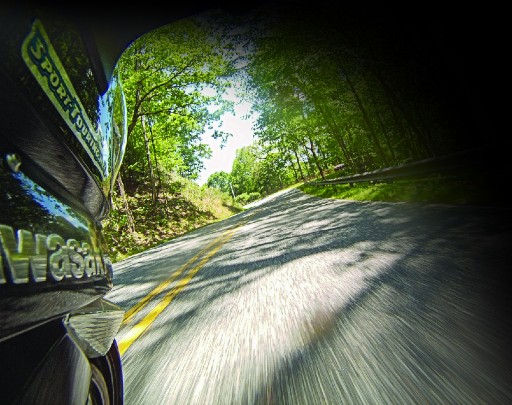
182 206
454 190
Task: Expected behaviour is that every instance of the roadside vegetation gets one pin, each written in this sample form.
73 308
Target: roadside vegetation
185 206
324 94
431 190
182 206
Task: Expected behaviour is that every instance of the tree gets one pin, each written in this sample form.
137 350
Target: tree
242 171
355 90
220 180
165 74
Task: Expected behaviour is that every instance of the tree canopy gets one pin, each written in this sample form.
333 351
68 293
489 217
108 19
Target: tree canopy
361 90
174 81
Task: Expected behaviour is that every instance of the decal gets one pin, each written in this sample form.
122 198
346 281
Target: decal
42 60
25 258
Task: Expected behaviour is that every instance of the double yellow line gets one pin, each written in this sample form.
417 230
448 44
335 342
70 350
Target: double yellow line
206 253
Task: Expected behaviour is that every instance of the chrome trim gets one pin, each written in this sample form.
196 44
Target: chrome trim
95 327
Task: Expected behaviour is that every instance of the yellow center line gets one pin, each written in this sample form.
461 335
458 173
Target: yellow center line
139 328
128 316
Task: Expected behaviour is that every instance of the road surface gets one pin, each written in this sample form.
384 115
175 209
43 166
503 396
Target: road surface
301 300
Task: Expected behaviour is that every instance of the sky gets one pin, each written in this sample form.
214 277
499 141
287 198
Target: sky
222 159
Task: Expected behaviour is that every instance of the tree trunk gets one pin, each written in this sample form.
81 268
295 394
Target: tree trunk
315 158
382 126
295 174
158 180
150 165
298 164
331 123
394 103
129 215
366 119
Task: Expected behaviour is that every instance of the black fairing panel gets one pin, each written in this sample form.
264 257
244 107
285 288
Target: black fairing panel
33 356
52 256
71 374
57 112
62 137
31 124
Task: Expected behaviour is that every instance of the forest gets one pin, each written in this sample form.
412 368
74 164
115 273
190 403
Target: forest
361 90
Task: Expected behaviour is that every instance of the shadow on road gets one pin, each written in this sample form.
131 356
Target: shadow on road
390 301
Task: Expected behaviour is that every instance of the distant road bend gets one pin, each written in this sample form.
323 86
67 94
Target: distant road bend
301 300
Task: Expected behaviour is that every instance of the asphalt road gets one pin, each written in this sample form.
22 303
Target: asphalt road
302 300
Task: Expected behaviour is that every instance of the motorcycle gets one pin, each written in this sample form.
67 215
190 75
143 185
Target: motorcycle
62 139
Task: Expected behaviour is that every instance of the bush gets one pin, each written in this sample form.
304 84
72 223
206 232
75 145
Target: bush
182 206
246 198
